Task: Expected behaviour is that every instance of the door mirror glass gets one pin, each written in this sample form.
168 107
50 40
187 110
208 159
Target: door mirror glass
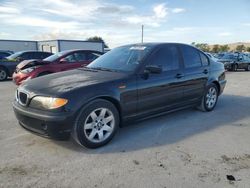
154 69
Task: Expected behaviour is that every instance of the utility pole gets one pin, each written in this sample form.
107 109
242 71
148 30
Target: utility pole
142 33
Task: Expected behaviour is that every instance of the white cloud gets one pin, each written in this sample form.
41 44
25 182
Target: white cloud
225 34
246 24
8 10
160 10
178 10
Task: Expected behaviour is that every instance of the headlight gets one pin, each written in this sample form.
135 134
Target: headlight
28 70
47 102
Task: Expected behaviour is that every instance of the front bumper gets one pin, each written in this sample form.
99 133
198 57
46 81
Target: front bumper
47 124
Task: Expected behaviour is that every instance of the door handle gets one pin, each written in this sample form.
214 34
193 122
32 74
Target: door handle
179 76
205 71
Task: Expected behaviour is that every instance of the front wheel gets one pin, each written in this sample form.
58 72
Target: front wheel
209 99
96 124
3 74
248 67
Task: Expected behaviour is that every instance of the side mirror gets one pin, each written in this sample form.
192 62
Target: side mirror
62 60
154 69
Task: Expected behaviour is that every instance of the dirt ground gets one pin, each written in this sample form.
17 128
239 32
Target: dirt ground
184 149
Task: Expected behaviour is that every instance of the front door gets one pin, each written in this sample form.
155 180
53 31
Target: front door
164 90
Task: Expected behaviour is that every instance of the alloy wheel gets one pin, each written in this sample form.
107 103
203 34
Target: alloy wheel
211 97
99 125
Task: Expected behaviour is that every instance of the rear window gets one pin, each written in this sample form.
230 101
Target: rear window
204 59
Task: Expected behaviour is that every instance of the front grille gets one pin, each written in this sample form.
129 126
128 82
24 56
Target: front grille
22 98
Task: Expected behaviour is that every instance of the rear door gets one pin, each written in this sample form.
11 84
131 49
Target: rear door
164 90
196 71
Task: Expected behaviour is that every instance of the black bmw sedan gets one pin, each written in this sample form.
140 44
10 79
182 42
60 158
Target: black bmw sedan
128 83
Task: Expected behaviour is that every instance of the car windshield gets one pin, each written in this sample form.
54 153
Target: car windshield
122 59
14 56
229 56
55 56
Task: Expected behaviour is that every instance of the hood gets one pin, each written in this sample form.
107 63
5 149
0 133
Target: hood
225 60
31 63
58 83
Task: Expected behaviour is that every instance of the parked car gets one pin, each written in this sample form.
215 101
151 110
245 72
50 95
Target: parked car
131 82
58 62
8 65
5 53
235 61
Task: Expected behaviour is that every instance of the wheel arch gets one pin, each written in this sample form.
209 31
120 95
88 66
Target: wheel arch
217 85
110 99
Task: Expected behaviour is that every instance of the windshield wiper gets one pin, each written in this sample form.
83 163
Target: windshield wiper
104 69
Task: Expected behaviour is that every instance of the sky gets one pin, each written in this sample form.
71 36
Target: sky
119 22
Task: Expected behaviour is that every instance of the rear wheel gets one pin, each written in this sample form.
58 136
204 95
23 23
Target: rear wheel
248 67
234 67
209 99
96 124
3 74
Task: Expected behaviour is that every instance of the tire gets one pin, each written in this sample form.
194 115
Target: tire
209 99
248 67
96 124
234 67
3 74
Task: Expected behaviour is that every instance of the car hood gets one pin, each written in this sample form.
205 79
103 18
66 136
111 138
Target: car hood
58 83
31 63
226 60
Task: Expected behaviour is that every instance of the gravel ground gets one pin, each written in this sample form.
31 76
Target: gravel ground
184 149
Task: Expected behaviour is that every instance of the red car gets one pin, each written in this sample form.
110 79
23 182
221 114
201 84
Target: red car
58 62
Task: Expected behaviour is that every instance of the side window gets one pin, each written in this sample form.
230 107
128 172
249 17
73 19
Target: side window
80 56
92 56
191 57
26 56
37 55
70 58
204 60
167 58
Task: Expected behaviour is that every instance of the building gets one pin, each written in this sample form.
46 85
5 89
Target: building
50 45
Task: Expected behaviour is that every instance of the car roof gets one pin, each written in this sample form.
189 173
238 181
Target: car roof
154 44
33 51
77 50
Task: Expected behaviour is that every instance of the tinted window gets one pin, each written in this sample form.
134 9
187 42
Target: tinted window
80 56
4 54
70 58
92 56
167 58
191 57
204 59
37 55
27 55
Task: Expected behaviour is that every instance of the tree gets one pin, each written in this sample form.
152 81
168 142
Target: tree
97 39
240 48
224 48
248 49
202 46
216 48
